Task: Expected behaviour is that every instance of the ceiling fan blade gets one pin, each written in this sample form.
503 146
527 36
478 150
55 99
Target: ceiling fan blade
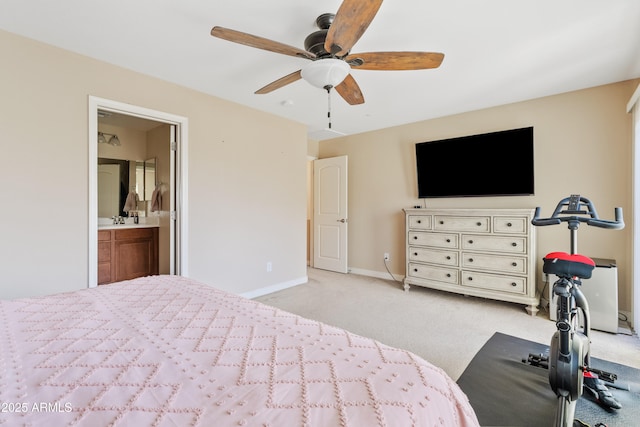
290 78
259 42
350 91
395 60
350 22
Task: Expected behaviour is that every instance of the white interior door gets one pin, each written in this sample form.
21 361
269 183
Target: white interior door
173 204
634 108
330 214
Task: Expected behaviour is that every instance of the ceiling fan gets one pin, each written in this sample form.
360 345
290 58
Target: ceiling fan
329 50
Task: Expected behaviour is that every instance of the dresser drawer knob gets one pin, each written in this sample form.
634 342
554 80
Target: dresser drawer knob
514 264
441 222
470 279
419 221
470 259
478 224
514 284
415 254
448 240
509 224
448 274
415 237
514 244
448 257
415 270
470 242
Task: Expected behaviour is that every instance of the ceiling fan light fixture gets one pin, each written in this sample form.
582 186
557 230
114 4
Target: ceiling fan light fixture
325 72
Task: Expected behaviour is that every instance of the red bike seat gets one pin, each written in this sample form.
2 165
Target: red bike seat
567 265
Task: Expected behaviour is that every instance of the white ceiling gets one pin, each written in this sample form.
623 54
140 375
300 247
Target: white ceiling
496 51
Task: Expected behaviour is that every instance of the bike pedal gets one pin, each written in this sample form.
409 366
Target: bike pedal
608 377
603 375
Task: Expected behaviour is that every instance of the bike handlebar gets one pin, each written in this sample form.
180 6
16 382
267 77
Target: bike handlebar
576 209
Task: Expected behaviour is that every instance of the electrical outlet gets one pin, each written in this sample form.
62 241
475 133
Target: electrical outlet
386 256
269 267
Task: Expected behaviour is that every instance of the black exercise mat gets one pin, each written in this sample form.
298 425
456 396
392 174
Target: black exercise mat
504 391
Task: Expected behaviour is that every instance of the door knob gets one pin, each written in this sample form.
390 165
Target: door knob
342 220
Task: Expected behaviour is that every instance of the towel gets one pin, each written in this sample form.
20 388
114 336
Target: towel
156 199
132 202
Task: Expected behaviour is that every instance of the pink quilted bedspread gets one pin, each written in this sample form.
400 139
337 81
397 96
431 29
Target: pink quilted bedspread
167 351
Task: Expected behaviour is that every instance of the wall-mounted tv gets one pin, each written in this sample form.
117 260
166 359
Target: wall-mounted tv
490 164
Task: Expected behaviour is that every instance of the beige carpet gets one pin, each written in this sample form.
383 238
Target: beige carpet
443 328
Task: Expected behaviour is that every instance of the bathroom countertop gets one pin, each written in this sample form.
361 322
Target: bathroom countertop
122 226
128 224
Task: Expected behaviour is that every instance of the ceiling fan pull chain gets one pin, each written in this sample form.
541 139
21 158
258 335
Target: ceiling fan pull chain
329 104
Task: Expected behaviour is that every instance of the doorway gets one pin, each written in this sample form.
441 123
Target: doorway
173 183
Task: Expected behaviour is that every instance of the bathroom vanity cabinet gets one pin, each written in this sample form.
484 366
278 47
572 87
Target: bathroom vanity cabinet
127 253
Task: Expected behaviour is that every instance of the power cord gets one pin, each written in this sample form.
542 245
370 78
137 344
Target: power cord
390 273
544 301
623 318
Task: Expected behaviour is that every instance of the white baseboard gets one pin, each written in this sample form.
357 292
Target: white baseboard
377 274
275 288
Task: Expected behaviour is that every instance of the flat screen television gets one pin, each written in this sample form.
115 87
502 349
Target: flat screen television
490 164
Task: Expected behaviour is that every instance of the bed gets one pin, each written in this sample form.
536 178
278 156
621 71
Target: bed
169 351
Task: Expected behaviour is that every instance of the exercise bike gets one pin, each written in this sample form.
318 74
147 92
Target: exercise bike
568 361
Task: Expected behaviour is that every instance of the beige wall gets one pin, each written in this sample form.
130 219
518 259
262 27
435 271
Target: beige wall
247 210
246 175
582 145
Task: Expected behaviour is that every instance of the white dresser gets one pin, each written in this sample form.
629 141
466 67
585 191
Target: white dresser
487 253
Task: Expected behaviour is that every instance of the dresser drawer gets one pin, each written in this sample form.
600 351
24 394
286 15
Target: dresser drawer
437 240
514 225
477 224
420 222
433 256
516 245
440 274
499 263
515 285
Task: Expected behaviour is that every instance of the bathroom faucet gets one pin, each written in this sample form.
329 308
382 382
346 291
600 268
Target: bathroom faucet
117 219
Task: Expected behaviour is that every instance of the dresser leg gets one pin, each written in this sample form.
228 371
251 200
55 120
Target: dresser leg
532 309
406 287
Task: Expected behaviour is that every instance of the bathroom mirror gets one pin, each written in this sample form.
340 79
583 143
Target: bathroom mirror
140 179
150 181
146 178
113 186
116 178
